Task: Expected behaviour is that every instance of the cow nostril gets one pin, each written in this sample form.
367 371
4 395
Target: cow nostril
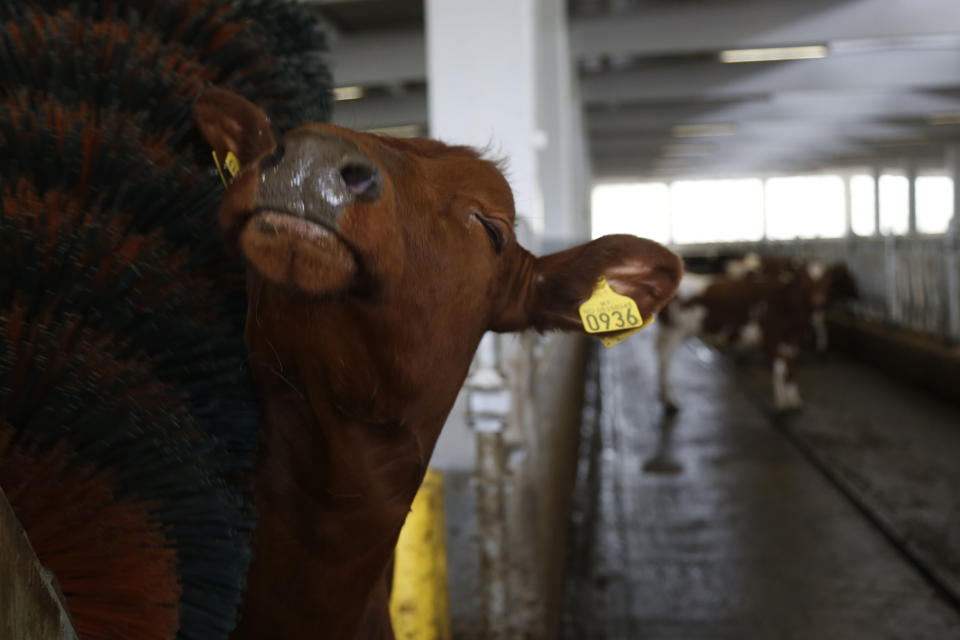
272 159
360 179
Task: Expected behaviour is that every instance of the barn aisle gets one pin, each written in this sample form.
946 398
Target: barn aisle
717 525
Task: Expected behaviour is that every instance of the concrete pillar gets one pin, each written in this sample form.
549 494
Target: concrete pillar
563 159
482 84
481 89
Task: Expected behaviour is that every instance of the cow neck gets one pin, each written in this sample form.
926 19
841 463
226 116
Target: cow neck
332 490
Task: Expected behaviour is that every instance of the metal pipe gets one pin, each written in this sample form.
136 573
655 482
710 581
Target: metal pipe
489 404
951 265
847 206
491 533
877 174
951 259
911 172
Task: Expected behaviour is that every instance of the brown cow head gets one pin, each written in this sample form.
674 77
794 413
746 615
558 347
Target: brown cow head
391 257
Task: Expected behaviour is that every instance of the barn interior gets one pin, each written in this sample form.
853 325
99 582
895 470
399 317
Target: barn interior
823 130
765 142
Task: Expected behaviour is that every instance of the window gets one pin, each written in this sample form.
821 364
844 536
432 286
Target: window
805 207
811 206
717 210
894 204
641 209
934 203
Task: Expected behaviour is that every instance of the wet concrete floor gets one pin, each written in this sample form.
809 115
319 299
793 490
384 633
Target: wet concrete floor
714 525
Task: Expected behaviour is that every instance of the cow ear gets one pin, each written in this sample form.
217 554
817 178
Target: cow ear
560 282
231 123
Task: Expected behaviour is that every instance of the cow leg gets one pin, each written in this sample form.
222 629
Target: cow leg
668 339
786 394
820 330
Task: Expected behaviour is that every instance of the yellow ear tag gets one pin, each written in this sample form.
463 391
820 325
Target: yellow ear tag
231 163
610 314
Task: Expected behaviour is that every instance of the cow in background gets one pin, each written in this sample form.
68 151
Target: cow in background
771 304
830 283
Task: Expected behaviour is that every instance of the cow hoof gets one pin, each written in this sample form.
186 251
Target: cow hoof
787 409
662 465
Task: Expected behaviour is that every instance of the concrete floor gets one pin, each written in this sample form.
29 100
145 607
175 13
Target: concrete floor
713 525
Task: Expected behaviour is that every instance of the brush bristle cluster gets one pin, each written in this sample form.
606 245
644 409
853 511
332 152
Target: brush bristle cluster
127 416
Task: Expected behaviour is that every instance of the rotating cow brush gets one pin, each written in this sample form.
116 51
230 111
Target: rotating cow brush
127 425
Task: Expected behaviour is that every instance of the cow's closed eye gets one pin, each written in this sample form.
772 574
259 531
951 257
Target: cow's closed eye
494 231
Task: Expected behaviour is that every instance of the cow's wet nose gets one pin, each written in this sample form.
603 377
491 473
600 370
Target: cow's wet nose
316 175
273 158
362 179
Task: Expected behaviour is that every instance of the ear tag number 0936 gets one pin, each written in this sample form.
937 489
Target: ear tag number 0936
610 314
230 163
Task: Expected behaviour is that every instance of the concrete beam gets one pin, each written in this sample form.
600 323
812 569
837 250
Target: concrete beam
391 57
385 110
773 134
883 70
385 58
675 27
839 106
741 161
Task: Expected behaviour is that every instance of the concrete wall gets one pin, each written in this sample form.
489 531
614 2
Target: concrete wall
540 473
560 401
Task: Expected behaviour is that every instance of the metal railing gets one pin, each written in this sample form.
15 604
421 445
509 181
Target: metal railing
912 282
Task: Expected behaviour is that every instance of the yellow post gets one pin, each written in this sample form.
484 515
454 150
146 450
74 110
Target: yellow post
419 605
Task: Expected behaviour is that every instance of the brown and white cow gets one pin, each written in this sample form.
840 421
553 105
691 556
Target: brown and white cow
771 306
830 283
375 266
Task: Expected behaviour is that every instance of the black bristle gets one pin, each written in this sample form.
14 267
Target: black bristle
121 313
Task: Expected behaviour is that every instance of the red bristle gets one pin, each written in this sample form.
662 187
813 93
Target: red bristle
113 563
122 322
129 247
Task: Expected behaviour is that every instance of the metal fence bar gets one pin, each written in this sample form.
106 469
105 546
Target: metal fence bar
488 408
890 289
951 264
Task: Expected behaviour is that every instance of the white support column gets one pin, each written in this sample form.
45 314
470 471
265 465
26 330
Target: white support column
482 84
563 153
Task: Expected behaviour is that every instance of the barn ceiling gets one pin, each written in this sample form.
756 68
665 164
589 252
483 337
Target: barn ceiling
881 80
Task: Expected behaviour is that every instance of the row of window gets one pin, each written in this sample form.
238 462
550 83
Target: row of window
693 211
